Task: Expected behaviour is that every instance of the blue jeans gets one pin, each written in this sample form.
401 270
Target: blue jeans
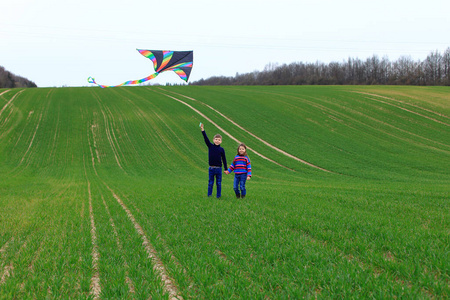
217 173
239 182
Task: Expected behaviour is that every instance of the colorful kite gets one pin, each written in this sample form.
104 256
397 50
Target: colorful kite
178 61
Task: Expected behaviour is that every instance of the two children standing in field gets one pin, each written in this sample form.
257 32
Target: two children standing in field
241 166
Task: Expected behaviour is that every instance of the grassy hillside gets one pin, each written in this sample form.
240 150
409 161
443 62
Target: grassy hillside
103 193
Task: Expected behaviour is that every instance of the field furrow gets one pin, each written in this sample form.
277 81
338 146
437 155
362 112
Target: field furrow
168 282
95 288
10 101
109 131
32 140
408 104
4 92
131 287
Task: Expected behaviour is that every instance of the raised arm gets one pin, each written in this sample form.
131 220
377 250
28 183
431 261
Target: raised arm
205 137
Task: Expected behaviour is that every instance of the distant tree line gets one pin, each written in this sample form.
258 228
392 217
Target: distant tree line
434 70
9 80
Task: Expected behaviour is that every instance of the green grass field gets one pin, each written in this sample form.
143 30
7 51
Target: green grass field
103 193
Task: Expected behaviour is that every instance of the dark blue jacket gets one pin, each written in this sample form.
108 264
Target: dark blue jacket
216 153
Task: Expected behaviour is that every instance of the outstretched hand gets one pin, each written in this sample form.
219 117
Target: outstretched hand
202 127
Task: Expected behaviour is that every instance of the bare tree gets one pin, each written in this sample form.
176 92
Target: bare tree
432 68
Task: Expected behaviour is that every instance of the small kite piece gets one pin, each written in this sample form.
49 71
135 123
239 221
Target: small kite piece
178 61
200 125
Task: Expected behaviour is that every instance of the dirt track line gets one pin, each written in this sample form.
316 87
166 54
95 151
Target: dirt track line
5 121
95 142
9 102
95 288
111 140
396 128
166 247
31 143
8 270
35 258
168 282
6 245
131 287
55 138
253 135
4 92
405 109
108 133
92 154
115 128
329 111
6 273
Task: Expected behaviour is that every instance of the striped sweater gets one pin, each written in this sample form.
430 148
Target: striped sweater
241 165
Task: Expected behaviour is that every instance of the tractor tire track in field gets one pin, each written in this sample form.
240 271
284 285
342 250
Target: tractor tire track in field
92 153
405 109
10 101
150 120
111 140
29 137
5 246
32 140
5 121
110 136
36 256
169 283
128 281
332 111
4 92
57 131
167 249
95 288
6 269
9 268
426 145
253 135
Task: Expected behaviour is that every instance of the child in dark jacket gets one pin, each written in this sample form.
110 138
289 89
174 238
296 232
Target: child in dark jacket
242 171
216 155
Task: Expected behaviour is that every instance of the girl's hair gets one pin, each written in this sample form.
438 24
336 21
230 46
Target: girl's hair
242 145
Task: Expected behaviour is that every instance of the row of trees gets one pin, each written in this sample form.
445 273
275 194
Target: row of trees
434 70
9 80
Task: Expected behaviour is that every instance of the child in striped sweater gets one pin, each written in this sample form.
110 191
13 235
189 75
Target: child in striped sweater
242 171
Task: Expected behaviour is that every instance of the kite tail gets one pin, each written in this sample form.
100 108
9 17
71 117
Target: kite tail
130 82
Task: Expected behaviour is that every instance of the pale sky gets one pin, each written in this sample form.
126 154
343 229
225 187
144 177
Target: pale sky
62 43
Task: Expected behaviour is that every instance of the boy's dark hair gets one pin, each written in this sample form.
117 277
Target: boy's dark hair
218 136
242 145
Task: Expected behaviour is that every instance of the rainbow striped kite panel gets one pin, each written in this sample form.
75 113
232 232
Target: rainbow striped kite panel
178 61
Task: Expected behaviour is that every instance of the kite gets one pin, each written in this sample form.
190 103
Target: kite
178 61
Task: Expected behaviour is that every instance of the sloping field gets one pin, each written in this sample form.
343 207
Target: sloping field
103 193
